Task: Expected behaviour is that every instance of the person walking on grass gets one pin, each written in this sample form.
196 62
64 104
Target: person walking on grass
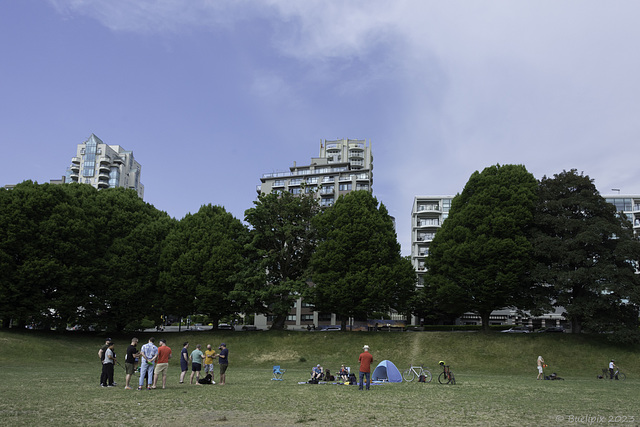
149 353
223 361
164 354
540 366
365 360
130 362
184 361
196 363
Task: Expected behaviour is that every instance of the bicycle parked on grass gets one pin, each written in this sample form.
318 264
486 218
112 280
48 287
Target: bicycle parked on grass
616 374
413 371
446 376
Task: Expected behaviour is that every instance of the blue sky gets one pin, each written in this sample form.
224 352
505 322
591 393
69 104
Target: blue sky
210 95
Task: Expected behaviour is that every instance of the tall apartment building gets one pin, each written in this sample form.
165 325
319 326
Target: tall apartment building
427 215
342 166
105 166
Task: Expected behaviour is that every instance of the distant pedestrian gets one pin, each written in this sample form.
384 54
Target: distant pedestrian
209 356
223 361
612 368
101 353
365 360
196 363
108 365
149 353
184 361
540 367
164 354
130 362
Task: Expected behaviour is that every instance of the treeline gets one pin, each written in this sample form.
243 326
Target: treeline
73 255
512 241
70 254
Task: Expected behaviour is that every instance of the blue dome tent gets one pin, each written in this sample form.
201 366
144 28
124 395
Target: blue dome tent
386 371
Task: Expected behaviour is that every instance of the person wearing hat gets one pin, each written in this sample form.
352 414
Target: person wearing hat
612 367
365 360
316 372
223 361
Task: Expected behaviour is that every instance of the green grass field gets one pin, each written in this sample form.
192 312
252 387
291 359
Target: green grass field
52 379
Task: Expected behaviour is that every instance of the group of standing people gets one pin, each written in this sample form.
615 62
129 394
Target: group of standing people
197 357
154 363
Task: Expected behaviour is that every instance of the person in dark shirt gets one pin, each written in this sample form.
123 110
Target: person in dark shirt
223 360
130 361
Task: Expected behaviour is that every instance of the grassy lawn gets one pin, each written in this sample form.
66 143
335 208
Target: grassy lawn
50 379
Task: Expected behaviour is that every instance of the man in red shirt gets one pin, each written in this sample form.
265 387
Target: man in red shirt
365 359
164 354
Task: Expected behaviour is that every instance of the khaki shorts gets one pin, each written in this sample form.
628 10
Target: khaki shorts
161 367
130 368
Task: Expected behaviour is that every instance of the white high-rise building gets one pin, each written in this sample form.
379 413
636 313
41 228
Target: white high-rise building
105 166
344 165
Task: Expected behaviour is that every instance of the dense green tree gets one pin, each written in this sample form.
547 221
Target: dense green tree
284 239
71 254
42 249
357 266
203 258
130 267
586 255
479 259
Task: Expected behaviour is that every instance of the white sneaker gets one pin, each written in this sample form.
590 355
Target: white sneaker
213 382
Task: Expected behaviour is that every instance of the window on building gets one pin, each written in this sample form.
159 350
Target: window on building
324 317
306 318
345 187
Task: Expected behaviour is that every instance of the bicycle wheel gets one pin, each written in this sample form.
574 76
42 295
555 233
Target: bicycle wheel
427 375
442 378
408 375
622 376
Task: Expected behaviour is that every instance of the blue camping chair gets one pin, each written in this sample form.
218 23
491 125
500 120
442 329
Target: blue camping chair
278 373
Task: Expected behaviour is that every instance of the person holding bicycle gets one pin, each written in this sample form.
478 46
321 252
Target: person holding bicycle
612 368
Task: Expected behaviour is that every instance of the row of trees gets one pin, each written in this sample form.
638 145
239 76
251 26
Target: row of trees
511 241
73 255
70 254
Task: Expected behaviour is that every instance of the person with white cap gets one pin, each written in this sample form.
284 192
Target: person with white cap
365 360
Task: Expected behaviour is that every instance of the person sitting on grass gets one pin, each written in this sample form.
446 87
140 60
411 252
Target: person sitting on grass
344 373
316 373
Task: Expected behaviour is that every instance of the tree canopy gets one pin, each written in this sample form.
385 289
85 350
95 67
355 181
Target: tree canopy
284 238
586 255
357 267
478 260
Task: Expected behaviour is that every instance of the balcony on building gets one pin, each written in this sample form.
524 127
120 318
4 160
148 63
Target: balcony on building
103 184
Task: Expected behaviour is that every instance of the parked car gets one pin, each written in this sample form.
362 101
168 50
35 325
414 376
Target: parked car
327 328
225 327
555 329
517 330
